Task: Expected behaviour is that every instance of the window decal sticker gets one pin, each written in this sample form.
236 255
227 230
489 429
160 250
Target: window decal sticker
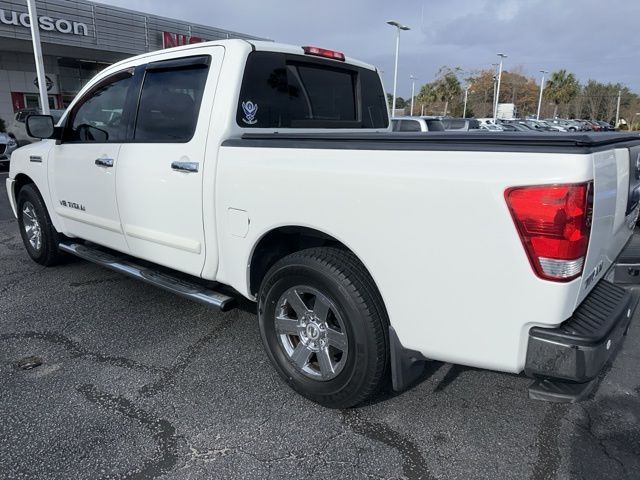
250 109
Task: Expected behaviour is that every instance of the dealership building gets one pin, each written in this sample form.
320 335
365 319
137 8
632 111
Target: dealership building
79 38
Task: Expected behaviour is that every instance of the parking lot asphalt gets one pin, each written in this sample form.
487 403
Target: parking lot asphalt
137 383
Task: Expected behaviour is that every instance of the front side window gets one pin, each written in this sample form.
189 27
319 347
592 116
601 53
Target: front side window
169 104
100 115
293 91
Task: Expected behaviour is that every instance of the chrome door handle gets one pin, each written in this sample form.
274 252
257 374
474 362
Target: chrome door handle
104 162
189 167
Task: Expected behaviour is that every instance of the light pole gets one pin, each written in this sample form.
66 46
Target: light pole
399 27
618 108
495 81
543 72
466 95
37 53
495 108
413 90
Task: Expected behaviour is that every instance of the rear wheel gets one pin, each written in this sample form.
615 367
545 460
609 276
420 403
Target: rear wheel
324 326
38 235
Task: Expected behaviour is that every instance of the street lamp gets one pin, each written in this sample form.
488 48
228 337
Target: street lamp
466 95
543 72
495 80
37 53
399 27
495 108
413 90
618 108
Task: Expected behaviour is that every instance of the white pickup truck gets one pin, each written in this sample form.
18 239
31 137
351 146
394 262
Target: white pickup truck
270 171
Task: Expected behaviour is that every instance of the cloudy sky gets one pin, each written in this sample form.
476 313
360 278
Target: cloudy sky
597 39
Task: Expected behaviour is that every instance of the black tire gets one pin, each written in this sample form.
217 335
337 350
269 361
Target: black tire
342 279
47 254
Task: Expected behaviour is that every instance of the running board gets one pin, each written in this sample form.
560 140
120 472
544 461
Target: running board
120 264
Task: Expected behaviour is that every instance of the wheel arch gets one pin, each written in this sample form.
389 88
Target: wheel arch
18 183
284 240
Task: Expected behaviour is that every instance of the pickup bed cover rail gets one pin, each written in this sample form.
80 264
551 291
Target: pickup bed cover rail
480 141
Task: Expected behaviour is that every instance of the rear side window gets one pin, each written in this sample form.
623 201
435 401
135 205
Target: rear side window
455 124
409 126
435 126
170 103
293 91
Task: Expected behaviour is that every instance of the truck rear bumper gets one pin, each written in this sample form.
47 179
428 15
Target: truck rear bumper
579 348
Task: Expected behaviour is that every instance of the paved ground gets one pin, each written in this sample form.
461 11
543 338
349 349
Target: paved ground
135 383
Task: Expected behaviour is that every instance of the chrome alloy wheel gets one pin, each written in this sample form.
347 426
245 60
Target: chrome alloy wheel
311 332
32 225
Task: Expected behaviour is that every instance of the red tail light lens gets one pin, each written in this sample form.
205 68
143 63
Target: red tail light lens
323 52
554 223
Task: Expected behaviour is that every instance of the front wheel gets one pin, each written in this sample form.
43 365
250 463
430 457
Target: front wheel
38 234
324 326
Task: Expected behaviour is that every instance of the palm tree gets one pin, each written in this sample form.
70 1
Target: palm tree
562 87
445 87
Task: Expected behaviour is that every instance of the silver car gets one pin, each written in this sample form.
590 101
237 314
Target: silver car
7 145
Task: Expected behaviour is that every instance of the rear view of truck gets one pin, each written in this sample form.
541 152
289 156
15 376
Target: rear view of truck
578 231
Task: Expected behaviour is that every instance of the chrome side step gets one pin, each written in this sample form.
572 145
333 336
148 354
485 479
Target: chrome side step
120 264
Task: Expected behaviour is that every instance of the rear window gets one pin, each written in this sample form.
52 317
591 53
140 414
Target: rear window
292 91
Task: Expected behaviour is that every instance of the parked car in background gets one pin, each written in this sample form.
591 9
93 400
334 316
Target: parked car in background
491 127
548 126
606 126
460 124
568 125
16 129
515 126
489 120
417 124
7 145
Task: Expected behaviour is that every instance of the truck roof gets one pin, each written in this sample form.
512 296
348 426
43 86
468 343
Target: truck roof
261 45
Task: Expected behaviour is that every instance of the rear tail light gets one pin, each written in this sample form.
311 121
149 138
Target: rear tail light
323 52
554 223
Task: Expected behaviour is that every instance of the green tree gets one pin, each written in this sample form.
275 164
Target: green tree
443 89
561 88
400 102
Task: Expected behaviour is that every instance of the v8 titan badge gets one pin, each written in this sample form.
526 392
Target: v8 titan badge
250 110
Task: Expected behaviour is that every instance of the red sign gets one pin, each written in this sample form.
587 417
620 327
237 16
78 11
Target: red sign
175 40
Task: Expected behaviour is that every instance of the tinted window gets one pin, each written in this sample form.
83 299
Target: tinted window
455 123
435 126
474 124
169 104
99 115
409 126
291 91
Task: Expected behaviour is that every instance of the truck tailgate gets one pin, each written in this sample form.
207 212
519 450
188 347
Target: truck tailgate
615 210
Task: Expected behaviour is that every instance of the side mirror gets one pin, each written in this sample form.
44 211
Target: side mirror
40 126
